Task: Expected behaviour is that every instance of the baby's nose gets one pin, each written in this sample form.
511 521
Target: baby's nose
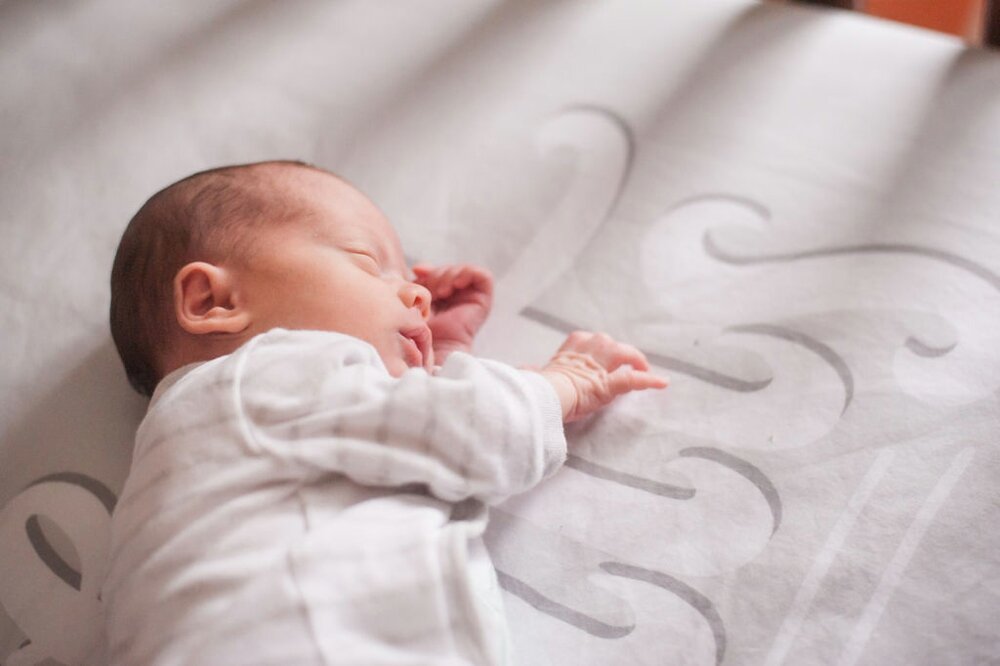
415 295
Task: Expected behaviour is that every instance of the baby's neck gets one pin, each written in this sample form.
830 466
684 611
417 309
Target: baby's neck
190 349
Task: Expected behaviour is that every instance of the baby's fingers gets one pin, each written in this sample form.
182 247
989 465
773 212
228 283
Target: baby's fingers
427 276
625 379
425 270
627 354
437 279
477 277
444 281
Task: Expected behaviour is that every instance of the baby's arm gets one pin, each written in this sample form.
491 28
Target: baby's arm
477 428
322 403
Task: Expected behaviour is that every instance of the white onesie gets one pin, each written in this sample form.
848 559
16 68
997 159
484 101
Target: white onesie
292 503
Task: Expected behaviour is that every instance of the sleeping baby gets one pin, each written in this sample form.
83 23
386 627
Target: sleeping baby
310 483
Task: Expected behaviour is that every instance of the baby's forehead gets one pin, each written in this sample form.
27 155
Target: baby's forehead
336 211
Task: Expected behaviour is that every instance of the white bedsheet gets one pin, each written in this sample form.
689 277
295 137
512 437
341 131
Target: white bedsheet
792 211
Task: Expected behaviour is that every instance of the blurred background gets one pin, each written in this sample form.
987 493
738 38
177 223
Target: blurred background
967 19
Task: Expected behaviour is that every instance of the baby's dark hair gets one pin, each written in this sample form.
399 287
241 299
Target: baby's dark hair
204 217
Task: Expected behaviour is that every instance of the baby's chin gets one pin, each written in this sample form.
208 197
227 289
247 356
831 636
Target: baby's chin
397 366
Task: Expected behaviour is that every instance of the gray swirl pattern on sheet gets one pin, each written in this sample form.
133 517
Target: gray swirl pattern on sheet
751 472
693 597
49 555
78 509
626 132
36 536
921 349
630 480
88 483
812 344
956 260
542 603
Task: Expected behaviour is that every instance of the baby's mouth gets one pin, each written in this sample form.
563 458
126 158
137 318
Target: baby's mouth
417 347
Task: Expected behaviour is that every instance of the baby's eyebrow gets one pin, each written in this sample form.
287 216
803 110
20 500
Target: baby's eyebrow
407 271
387 260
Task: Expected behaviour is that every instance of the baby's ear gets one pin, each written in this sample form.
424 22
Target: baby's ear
205 302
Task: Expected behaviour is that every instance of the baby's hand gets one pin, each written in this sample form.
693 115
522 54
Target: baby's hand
591 369
461 298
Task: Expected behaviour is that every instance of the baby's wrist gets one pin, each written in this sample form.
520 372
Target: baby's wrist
443 349
582 379
564 388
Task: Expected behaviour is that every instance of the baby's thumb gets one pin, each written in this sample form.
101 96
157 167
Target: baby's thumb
426 274
625 379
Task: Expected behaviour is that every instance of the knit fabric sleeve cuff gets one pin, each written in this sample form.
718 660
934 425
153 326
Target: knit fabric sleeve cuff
550 410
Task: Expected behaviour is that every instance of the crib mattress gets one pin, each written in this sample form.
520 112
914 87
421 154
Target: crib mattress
792 211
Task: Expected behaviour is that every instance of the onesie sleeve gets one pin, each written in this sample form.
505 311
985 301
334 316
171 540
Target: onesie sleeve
323 403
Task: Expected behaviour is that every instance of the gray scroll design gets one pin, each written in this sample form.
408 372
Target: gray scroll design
977 270
698 601
45 551
47 554
949 258
630 480
752 474
921 349
693 597
825 352
88 483
626 130
559 611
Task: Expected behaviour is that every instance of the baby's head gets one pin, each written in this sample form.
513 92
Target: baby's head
223 255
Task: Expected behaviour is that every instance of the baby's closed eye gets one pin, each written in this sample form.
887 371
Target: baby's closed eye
367 261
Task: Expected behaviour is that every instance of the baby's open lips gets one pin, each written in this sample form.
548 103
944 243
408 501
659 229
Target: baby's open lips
418 346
